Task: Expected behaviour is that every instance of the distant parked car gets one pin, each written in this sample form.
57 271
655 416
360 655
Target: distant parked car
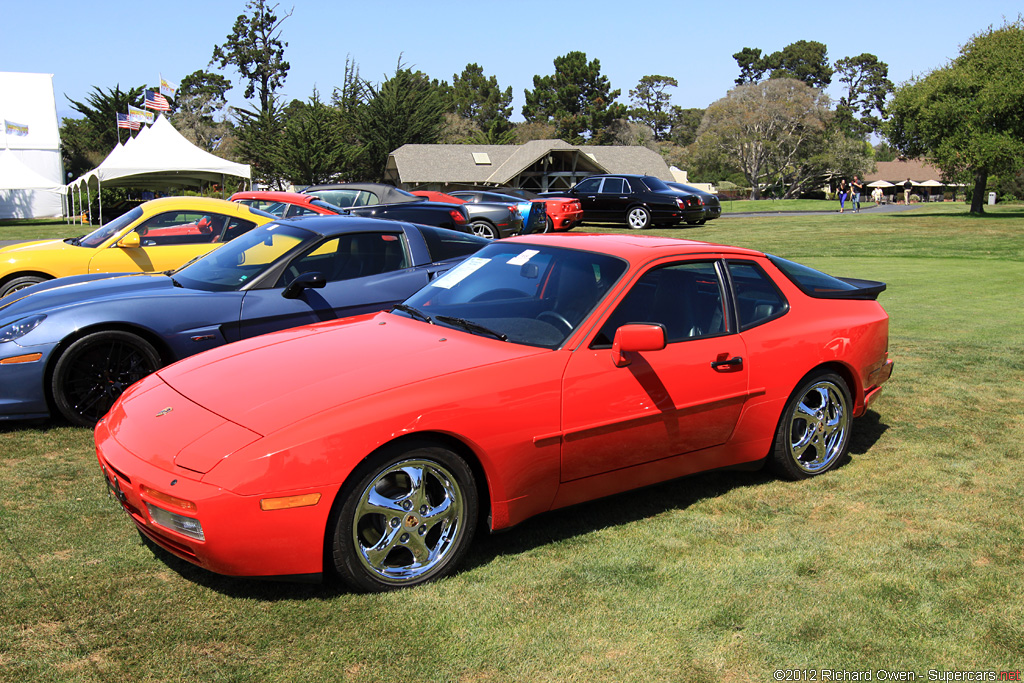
710 203
345 195
451 216
488 220
285 204
157 235
534 212
563 212
639 201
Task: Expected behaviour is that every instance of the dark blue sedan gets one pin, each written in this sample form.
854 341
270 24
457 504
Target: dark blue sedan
75 344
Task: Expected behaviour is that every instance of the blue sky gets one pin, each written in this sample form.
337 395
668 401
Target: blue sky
129 44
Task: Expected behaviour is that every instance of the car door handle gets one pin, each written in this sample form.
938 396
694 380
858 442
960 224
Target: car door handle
736 361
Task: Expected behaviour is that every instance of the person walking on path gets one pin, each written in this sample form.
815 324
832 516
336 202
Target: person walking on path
907 187
843 189
856 187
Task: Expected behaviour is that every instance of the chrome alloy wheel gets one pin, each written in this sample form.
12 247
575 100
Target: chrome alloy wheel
408 521
819 427
638 218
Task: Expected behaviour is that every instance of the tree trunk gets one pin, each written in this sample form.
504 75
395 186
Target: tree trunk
978 196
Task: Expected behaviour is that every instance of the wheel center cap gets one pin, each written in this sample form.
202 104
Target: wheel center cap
411 521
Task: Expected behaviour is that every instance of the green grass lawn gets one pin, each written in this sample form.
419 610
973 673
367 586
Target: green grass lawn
908 557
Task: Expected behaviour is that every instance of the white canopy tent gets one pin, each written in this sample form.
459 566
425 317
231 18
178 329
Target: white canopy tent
159 158
31 168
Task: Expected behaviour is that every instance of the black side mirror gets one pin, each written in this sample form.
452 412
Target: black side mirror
303 282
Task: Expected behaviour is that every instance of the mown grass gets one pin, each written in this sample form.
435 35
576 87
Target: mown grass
777 205
908 557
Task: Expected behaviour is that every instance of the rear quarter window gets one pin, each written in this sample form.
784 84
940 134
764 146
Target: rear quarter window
819 285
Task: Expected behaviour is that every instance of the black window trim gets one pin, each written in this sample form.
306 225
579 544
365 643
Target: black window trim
734 300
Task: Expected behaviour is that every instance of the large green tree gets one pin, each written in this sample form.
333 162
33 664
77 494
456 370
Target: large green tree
481 100
967 118
577 99
255 49
804 60
407 108
862 107
772 131
200 109
312 149
652 104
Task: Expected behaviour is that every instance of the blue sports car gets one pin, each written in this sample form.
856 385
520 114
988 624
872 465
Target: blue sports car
74 344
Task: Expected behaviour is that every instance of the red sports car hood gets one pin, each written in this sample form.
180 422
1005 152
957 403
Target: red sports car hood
266 383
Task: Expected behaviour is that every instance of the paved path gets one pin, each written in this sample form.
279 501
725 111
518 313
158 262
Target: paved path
883 208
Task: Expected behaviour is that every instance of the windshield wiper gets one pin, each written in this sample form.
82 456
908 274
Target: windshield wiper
175 282
471 326
414 312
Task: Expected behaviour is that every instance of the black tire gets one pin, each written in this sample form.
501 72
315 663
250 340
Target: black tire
638 218
389 532
484 229
814 430
17 283
549 225
91 373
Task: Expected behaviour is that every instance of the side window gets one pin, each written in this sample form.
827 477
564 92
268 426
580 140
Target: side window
445 244
296 210
181 227
351 256
757 298
236 227
588 185
613 186
685 298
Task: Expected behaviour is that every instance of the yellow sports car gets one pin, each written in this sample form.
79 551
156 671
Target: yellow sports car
158 235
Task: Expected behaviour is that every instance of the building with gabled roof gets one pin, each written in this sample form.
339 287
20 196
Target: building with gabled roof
537 165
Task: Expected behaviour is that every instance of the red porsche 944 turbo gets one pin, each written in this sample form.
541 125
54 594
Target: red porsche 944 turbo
541 372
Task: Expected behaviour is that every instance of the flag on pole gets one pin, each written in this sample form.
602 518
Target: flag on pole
124 122
156 101
167 88
139 115
12 128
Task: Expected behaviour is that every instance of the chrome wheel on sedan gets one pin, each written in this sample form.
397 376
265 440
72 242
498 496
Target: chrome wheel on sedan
484 229
638 218
408 520
814 431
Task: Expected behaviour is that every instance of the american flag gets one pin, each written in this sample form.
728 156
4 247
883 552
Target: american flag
124 122
156 101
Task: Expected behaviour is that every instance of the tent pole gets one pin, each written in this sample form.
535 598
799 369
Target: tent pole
88 196
99 196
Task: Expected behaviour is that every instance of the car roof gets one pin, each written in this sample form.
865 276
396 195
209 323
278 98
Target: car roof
382 189
633 247
275 196
328 225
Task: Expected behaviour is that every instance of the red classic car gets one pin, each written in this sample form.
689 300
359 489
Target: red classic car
541 372
285 204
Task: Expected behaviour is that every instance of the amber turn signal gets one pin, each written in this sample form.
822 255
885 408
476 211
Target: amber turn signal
305 500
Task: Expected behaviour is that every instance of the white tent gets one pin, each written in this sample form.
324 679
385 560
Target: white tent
28 125
160 158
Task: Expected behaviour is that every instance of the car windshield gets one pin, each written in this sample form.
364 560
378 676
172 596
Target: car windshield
243 259
523 293
102 234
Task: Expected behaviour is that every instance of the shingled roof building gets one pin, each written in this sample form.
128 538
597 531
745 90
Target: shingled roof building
537 165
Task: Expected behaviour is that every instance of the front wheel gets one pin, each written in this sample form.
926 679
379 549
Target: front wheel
638 218
17 283
814 430
95 370
484 229
407 518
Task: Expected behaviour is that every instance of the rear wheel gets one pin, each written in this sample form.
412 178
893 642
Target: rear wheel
484 229
638 218
17 283
406 517
814 430
549 225
95 370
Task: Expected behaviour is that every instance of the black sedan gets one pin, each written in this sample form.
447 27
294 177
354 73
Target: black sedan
639 201
710 203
